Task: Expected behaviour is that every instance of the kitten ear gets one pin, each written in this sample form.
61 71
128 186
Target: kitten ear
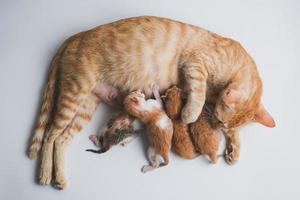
230 96
264 117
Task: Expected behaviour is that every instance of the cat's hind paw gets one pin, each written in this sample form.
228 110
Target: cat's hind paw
44 180
60 183
147 168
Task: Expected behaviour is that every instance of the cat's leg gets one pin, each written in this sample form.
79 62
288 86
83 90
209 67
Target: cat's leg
232 150
195 77
155 90
128 140
155 160
68 102
82 117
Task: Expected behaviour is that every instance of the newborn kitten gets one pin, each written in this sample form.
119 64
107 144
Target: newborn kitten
189 140
118 130
159 126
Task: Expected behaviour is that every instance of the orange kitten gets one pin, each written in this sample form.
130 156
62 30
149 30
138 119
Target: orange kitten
198 137
159 127
182 143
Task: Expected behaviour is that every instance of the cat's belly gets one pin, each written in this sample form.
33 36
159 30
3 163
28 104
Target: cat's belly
113 90
143 77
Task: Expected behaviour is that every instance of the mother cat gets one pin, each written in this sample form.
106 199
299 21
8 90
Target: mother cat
109 61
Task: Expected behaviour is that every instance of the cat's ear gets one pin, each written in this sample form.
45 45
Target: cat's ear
264 117
230 96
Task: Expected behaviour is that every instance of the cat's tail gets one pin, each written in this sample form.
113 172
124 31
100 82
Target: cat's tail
46 106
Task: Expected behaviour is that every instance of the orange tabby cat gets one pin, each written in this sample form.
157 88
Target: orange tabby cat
111 60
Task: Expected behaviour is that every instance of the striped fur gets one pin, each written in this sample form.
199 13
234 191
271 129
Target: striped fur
133 54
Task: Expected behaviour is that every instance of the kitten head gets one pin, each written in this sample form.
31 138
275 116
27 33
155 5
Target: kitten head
173 102
115 131
133 103
233 110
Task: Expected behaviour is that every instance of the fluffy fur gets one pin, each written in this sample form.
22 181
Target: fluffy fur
198 137
111 60
118 130
159 127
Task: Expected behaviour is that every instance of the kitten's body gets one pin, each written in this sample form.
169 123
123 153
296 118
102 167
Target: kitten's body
114 59
159 127
119 130
191 139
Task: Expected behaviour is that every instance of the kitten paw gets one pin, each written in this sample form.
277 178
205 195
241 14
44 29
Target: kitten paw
155 88
147 168
231 154
94 139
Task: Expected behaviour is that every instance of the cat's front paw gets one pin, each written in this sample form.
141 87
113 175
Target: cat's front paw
94 139
188 115
231 153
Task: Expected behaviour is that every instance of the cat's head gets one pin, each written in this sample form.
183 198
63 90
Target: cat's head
173 100
133 103
116 130
232 110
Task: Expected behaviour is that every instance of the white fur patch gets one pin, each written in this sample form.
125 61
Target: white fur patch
154 158
162 122
150 105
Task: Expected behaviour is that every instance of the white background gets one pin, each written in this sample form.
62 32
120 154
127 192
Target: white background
30 33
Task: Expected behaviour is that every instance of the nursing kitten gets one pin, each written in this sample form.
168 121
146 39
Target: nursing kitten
111 60
182 143
118 130
159 127
197 137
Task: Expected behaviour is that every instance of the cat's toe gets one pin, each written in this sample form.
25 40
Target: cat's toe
45 176
44 180
231 155
60 184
